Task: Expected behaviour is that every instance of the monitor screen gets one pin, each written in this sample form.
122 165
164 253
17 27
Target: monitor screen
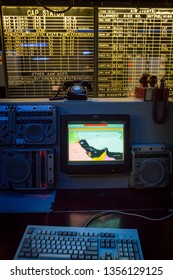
95 143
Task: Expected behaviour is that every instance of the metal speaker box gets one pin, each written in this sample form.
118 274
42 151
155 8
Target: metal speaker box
27 169
151 166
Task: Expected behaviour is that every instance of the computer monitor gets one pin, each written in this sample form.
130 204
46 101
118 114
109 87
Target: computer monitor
95 144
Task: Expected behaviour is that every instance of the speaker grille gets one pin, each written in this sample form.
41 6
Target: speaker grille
151 173
34 132
17 169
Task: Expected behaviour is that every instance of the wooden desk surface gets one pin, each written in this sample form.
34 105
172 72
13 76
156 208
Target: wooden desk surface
155 236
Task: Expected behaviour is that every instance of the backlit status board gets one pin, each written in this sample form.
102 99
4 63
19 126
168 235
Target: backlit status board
45 49
131 42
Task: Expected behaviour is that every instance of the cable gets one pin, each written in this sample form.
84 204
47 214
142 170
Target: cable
109 212
100 214
56 96
39 2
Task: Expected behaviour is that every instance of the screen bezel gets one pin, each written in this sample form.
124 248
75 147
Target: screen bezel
108 167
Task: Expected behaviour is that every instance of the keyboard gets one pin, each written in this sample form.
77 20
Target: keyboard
78 243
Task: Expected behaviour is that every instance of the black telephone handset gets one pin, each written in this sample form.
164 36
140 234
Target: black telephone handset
160 95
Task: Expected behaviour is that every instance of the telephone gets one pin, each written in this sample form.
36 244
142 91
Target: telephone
157 94
75 90
160 96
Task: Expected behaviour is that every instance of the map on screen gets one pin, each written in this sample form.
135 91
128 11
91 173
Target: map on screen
101 141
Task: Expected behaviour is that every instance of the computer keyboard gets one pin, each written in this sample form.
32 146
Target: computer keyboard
71 243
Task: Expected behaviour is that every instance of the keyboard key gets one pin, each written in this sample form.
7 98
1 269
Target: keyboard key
46 256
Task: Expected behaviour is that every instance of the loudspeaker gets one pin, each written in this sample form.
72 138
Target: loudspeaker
151 166
27 169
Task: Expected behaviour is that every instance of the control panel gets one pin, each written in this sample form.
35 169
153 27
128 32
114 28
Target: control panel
27 146
27 125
